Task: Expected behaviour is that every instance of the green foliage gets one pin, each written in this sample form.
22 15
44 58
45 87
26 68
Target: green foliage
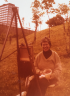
6 0
37 12
47 3
63 9
57 20
38 9
36 4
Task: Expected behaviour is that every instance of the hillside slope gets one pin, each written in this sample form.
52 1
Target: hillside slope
12 32
9 71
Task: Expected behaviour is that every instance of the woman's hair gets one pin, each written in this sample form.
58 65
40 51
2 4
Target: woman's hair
46 39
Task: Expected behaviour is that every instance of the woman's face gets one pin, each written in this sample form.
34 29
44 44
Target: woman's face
45 46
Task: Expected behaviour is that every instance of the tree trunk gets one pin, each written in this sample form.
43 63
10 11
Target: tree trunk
69 36
35 32
49 25
65 37
69 41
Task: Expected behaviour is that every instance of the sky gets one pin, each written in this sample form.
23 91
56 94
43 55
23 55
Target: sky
26 12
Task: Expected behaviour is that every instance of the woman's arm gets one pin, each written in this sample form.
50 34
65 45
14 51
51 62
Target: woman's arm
57 69
38 71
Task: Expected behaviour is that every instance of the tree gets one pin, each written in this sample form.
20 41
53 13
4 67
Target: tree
6 0
37 13
63 9
47 5
57 20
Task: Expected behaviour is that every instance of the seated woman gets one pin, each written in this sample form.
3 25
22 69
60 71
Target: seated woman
45 60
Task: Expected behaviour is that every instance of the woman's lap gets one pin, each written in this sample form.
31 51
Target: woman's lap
33 89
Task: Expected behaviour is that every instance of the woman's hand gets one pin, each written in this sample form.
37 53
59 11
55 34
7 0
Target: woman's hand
48 73
52 76
41 73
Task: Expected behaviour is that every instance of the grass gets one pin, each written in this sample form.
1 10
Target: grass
12 33
9 83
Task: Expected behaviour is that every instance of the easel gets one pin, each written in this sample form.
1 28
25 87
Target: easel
15 15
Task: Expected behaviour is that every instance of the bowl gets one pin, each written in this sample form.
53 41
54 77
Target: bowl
48 73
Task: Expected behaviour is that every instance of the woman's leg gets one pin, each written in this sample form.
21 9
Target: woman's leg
43 82
33 89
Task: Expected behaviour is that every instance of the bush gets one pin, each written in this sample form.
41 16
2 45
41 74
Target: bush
57 20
